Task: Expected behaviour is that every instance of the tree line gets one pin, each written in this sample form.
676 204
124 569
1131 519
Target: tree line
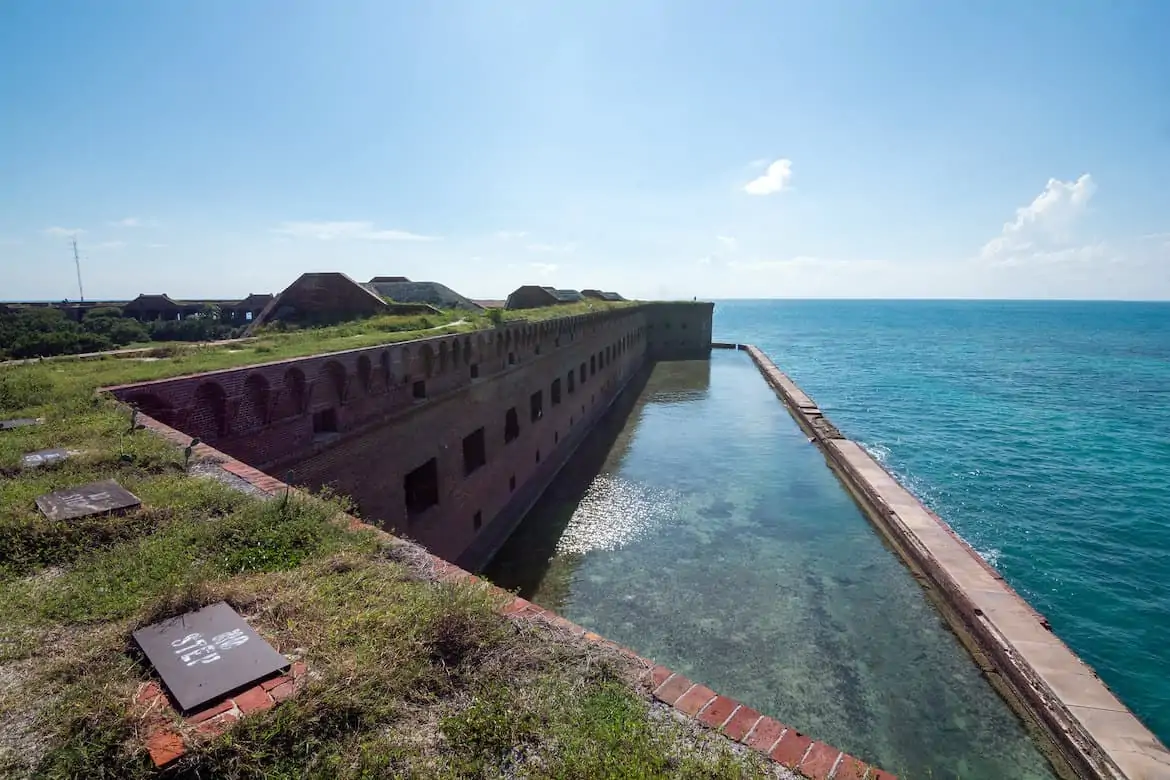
45 332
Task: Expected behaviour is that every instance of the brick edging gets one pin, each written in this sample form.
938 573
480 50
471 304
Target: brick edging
738 722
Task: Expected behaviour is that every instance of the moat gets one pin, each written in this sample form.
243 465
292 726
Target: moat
703 530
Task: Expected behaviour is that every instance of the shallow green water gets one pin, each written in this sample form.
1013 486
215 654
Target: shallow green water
704 531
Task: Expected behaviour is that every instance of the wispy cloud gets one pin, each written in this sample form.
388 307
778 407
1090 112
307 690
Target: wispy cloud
727 241
62 232
346 231
1098 254
128 222
509 235
544 269
108 245
1045 224
558 248
157 246
805 263
774 179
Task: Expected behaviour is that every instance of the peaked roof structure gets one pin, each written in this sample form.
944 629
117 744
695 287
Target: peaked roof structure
322 297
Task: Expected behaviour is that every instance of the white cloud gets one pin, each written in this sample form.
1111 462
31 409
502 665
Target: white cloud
1045 223
157 246
346 231
62 232
128 222
544 269
774 179
727 241
508 235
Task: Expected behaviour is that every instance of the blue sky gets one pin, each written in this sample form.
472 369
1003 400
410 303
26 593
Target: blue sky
671 148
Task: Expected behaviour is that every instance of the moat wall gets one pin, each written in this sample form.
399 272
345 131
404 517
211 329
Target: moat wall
447 440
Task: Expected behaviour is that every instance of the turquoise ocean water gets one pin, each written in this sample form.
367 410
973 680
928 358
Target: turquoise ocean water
1039 430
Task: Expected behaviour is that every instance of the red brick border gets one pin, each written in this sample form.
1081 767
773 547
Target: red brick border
168 734
742 724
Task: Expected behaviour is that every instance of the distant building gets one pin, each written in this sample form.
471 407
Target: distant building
156 307
328 297
399 289
531 296
246 310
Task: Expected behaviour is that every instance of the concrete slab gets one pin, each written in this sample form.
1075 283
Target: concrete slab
21 422
1133 748
40 458
93 499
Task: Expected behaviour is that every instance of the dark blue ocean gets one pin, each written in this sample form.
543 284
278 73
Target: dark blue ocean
1039 430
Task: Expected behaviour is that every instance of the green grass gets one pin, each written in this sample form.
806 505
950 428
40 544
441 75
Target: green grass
409 677
565 310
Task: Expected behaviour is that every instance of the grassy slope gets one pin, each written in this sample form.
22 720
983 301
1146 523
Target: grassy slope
409 677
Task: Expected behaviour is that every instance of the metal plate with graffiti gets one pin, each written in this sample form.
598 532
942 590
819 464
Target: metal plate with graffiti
93 499
204 655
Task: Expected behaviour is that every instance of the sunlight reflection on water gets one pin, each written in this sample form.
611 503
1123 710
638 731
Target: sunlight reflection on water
615 512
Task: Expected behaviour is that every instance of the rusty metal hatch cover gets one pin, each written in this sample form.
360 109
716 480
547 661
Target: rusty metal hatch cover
204 655
93 499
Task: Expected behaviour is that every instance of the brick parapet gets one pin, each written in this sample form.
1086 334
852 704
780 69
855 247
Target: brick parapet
741 724
1094 733
351 420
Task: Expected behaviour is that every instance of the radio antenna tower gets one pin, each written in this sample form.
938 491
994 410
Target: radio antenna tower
77 263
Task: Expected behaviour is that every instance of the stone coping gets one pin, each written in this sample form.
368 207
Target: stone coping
738 722
1095 733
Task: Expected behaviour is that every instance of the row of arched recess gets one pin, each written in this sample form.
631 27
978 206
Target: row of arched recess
268 396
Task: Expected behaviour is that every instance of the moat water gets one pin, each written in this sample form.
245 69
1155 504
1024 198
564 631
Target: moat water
703 530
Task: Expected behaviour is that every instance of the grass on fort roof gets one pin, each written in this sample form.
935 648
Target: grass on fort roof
409 677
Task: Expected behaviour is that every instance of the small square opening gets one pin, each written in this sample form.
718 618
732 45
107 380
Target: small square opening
474 451
325 421
422 488
511 425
